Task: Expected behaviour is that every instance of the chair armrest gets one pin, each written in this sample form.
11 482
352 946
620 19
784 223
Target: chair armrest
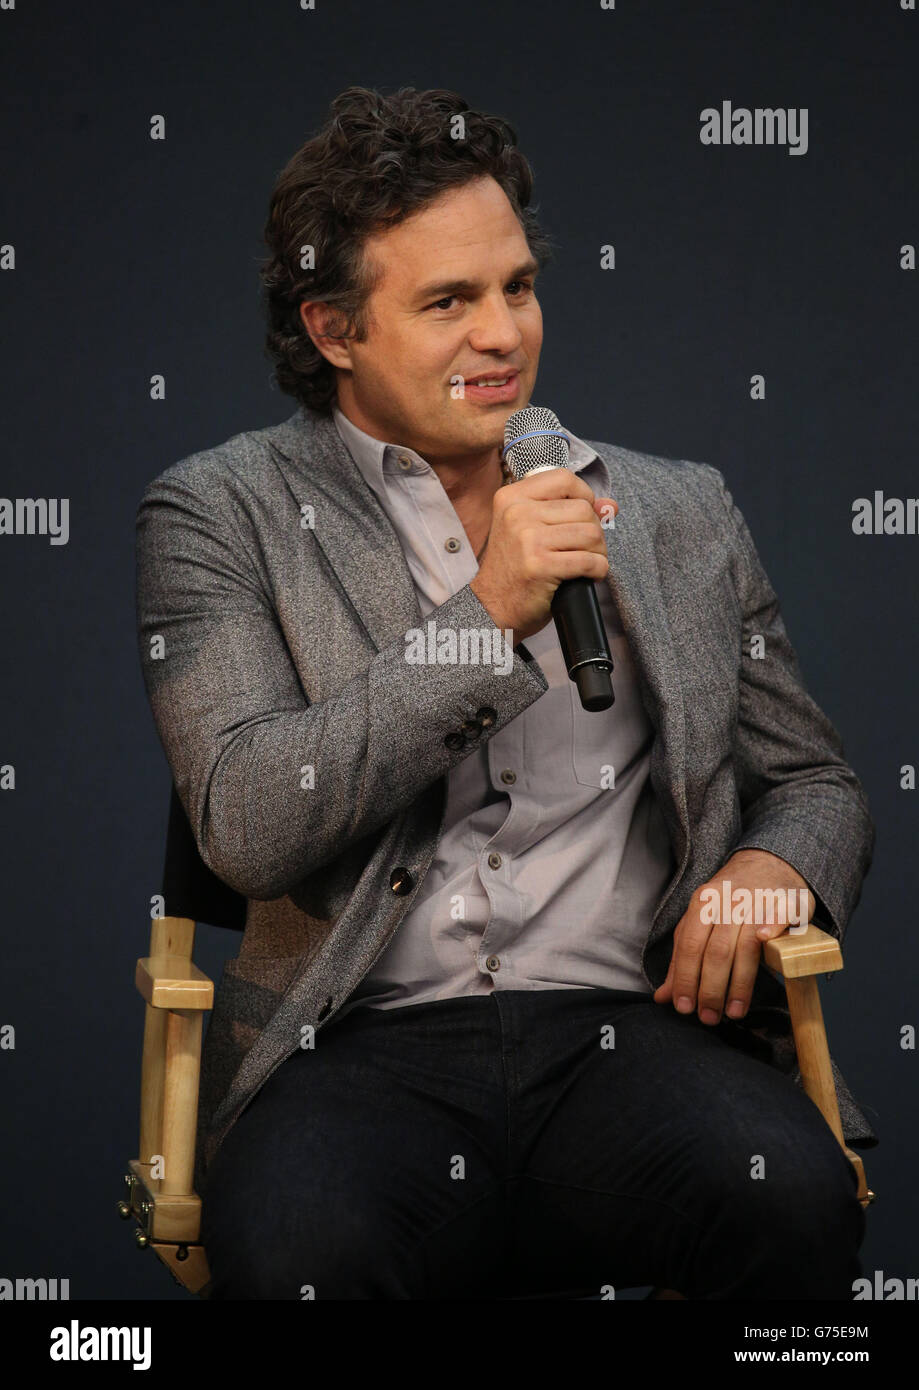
177 995
798 956
795 954
160 1193
172 982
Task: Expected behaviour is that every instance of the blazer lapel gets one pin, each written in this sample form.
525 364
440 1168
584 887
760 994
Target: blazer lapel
633 580
352 528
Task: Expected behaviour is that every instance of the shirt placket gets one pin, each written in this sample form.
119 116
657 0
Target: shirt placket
456 565
497 858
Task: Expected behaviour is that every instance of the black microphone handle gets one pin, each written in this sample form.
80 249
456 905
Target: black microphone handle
582 636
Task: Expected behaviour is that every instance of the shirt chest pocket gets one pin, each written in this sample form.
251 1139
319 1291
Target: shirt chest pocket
606 743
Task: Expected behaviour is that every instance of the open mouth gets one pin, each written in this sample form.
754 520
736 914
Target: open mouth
493 387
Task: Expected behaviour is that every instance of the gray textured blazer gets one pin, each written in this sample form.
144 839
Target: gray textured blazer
272 641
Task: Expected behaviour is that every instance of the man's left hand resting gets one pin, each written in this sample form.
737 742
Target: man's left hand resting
715 960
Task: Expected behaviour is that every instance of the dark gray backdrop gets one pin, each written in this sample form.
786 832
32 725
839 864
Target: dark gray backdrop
136 257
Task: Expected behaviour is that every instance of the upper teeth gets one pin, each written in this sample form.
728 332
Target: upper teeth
491 383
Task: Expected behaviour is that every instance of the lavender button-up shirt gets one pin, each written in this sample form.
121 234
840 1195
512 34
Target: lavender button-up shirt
554 852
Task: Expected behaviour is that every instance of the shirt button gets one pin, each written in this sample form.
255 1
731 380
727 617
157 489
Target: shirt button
405 462
451 544
486 716
493 963
494 860
508 776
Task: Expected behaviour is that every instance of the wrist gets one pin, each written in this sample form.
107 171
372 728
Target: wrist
777 873
779 867
491 608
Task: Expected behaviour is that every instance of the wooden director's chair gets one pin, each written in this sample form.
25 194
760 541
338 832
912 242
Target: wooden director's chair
177 994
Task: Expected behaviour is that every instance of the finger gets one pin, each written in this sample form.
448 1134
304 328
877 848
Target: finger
576 535
555 510
793 918
717 967
555 482
665 990
575 564
687 963
743 976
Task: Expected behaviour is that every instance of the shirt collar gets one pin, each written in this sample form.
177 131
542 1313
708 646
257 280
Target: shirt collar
378 460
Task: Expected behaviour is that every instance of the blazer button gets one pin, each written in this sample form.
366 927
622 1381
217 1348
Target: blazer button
471 728
401 881
455 741
486 716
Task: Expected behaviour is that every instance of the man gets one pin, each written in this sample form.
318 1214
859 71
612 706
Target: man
485 1036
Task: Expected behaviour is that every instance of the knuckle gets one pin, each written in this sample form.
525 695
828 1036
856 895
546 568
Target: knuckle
720 949
694 940
695 902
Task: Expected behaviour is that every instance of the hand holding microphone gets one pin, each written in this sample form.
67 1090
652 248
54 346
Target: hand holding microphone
545 551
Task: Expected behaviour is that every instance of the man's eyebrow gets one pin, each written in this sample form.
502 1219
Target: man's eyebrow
440 289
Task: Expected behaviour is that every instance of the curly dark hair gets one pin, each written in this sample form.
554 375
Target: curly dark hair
377 160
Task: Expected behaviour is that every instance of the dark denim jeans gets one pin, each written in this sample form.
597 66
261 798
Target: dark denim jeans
494 1147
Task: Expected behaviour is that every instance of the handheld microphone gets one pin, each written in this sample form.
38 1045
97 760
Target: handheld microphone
534 441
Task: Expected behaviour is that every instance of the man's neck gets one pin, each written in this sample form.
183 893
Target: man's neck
470 481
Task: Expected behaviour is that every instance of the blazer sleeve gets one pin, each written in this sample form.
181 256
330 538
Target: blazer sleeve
799 797
238 730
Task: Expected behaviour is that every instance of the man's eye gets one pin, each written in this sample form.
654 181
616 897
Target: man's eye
445 303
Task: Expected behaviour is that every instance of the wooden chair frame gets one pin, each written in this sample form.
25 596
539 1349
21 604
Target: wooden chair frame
160 1195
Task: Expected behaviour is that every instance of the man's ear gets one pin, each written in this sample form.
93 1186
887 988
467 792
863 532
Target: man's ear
317 318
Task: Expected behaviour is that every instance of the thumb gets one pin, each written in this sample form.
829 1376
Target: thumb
795 922
769 930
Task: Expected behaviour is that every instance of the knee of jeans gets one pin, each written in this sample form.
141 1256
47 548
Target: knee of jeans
793 1161
324 1250
807 1189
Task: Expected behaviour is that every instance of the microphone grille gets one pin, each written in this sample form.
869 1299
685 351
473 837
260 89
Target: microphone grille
547 446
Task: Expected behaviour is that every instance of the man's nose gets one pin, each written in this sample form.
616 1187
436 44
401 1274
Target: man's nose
495 329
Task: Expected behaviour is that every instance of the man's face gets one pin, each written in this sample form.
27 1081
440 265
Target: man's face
455 299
